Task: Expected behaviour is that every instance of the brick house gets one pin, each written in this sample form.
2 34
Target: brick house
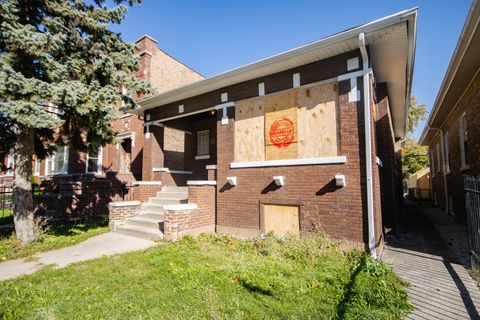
164 73
307 139
452 132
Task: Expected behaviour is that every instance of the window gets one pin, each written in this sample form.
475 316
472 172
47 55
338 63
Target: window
10 163
203 138
94 162
438 158
446 152
432 162
58 162
464 152
36 168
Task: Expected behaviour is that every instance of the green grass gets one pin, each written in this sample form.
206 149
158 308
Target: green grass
214 277
57 236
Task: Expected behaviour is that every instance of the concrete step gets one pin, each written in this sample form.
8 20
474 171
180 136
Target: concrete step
159 216
145 222
172 195
161 201
152 207
176 189
140 232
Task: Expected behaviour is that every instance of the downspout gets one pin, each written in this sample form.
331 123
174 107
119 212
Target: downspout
368 147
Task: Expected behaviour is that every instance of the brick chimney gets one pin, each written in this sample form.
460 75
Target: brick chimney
146 48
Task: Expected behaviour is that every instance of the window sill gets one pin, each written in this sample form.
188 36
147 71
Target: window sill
202 157
289 162
465 167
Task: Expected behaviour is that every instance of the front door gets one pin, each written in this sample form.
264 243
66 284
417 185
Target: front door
125 156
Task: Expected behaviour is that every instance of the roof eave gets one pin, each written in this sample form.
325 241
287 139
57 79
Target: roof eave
470 26
220 80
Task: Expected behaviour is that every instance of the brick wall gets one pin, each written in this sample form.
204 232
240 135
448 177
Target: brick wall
470 105
121 210
337 211
194 218
386 152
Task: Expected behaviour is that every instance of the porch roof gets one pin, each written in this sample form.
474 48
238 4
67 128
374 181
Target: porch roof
391 42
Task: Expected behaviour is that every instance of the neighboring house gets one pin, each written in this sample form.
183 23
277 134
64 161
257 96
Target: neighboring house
164 73
307 139
452 132
419 185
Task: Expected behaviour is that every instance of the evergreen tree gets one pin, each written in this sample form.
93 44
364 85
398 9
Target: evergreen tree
59 53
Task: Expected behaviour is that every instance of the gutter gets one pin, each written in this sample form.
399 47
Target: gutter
368 147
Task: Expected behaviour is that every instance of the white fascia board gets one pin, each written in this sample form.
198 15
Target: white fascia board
289 162
249 71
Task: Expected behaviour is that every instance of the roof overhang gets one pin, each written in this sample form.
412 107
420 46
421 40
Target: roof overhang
391 41
463 67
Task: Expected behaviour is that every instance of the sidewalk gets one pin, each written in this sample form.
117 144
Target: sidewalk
107 244
440 287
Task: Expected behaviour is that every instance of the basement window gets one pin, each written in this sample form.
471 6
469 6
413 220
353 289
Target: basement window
203 139
464 152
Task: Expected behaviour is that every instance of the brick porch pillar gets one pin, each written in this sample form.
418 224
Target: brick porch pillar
153 156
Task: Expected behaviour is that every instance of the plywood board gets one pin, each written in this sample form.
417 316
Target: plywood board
281 219
318 121
281 132
249 130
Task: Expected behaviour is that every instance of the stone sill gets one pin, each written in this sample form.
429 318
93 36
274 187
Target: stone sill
201 183
124 203
289 162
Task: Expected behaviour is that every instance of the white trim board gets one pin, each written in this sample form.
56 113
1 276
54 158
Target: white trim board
289 162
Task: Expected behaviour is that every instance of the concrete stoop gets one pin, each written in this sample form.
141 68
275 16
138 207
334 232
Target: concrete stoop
148 224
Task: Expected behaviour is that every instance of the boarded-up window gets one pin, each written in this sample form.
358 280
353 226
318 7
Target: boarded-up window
281 134
281 219
249 130
299 123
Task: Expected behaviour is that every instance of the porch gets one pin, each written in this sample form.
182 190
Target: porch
180 150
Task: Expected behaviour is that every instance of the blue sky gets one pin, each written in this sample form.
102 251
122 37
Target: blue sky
216 36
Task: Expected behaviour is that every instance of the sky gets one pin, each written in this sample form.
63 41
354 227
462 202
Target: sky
216 36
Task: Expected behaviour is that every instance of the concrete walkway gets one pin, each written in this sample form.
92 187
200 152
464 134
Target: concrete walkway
440 288
107 244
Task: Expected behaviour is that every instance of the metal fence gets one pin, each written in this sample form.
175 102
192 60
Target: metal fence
72 200
6 212
472 207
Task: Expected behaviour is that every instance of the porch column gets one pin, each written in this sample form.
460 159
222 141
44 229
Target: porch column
153 156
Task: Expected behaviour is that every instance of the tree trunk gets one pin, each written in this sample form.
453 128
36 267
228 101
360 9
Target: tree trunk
22 186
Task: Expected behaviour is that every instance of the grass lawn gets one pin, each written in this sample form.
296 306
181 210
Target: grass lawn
213 277
57 236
